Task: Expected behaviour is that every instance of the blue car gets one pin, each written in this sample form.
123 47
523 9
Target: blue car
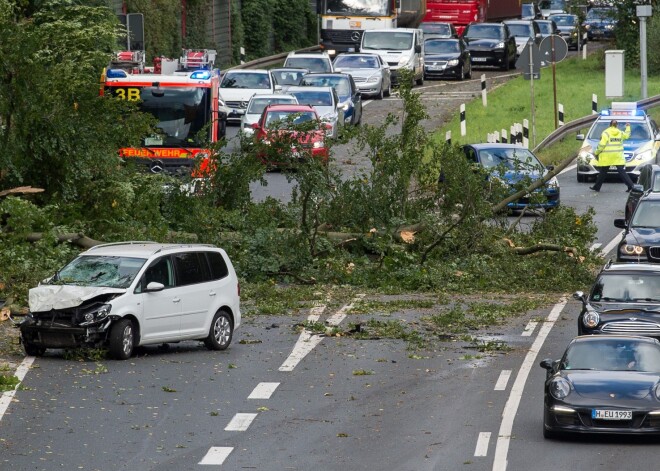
600 23
511 164
350 99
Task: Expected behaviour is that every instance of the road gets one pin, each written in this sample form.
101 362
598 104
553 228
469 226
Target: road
279 399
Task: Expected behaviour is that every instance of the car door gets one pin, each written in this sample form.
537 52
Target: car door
193 276
161 310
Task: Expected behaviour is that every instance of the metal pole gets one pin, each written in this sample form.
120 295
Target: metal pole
642 54
531 81
554 77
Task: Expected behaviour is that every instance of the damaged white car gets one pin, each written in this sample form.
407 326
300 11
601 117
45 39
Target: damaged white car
119 296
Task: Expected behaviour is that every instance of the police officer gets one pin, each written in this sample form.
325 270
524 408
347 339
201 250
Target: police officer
610 153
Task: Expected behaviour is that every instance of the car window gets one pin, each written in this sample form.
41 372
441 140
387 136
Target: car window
471 154
389 40
519 30
313 98
284 119
613 287
435 28
356 62
160 271
647 214
613 355
340 84
478 31
287 77
518 159
246 80
313 64
435 46
218 266
257 105
656 181
564 20
191 267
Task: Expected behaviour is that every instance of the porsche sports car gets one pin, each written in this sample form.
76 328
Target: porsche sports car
603 384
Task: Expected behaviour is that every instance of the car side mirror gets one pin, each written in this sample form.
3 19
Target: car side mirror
637 188
580 137
154 286
550 168
578 295
278 88
547 364
620 223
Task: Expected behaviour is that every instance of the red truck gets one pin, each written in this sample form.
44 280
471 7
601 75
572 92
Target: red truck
462 12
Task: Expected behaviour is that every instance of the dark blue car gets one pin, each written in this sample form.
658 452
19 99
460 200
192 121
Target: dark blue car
600 23
512 164
349 96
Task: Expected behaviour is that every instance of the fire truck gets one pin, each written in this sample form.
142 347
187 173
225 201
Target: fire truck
183 97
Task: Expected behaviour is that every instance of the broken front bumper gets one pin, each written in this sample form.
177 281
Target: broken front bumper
53 334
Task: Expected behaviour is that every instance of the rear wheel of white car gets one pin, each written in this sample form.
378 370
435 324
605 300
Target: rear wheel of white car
221 332
122 339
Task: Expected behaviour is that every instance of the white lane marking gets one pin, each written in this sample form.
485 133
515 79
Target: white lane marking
502 381
7 396
365 103
240 422
482 444
216 455
511 407
340 315
263 391
613 243
567 169
529 328
595 247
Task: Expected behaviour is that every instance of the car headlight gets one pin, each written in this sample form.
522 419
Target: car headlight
553 183
644 155
585 157
403 60
265 142
630 249
97 314
452 62
317 144
344 106
559 388
587 27
373 79
591 319
499 45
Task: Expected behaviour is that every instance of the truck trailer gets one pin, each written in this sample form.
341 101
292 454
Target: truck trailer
463 12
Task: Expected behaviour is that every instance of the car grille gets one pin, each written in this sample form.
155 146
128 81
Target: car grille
394 64
340 36
631 328
235 104
654 254
439 63
359 79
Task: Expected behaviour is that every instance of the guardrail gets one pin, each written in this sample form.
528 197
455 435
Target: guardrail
580 123
264 61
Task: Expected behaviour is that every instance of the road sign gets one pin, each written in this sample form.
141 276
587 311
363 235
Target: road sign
553 49
530 61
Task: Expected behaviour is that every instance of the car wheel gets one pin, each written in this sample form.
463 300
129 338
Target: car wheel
220 333
507 63
469 72
33 350
380 93
580 178
122 339
388 92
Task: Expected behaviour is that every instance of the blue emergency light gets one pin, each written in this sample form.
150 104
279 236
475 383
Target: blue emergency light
201 75
115 73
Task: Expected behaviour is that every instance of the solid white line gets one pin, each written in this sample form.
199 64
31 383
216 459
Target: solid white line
529 329
216 455
568 169
263 391
340 315
240 422
305 344
502 380
482 444
8 396
511 407
595 247
315 312
613 243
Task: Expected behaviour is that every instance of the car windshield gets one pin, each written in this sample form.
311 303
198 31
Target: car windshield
545 27
313 64
638 130
564 20
288 77
341 84
553 4
519 159
600 14
521 30
528 9
436 28
612 355
647 214
484 32
286 119
257 105
387 40
97 270
434 46
259 81
356 62
615 287
313 98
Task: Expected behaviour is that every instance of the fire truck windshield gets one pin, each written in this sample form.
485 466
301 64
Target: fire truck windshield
358 7
182 112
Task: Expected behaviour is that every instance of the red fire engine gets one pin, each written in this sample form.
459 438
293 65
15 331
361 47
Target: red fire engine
182 95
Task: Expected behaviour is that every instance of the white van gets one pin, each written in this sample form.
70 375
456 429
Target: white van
401 48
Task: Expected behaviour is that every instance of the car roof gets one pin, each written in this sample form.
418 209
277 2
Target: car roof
272 96
292 107
329 74
430 37
247 71
141 249
395 30
322 54
652 196
289 69
486 145
518 22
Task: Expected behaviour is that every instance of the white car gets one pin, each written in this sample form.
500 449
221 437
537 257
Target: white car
312 61
128 294
257 105
325 102
238 86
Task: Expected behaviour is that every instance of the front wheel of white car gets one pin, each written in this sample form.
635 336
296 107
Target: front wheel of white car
122 339
220 333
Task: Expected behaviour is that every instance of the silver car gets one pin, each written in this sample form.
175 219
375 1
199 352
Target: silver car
256 106
523 31
370 73
325 102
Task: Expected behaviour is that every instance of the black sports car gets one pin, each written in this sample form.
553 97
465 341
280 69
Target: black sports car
490 44
603 384
641 237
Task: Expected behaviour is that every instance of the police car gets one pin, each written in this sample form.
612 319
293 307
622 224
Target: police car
641 148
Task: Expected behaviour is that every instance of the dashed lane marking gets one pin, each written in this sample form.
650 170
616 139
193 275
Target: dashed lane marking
482 444
613 243
8 396
216 455
529 328
502 381
240 422
263 391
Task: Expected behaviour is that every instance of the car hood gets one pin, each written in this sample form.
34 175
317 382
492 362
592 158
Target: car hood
521 40
623 308
643 235
242 94
442 57
250 118
45 298
362 73
513 177
483 43
601 385
326 111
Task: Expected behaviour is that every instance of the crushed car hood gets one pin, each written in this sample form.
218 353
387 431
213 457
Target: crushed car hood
48 297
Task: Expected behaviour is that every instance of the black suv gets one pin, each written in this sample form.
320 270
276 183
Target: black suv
490 44
648 181
641 237
625 299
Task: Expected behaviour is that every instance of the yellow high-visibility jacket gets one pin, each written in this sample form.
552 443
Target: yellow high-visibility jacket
610 147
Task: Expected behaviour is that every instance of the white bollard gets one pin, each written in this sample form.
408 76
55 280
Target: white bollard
463 127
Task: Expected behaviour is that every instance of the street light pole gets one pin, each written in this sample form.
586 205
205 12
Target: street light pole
643 12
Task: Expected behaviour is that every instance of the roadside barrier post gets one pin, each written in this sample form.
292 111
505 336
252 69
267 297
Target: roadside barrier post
463 128
594 104
560 107
496 136
519 133
504 139
584 46
512 133
484 97
242 55
525 134
448 138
